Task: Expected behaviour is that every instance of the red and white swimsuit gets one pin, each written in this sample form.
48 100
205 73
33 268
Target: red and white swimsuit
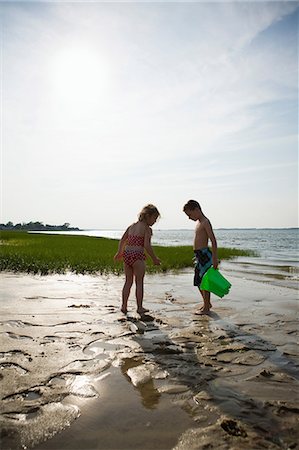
134 250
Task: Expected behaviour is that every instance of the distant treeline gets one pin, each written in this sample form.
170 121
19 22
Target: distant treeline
37 226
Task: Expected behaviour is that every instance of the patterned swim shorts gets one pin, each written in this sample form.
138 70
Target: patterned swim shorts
203 261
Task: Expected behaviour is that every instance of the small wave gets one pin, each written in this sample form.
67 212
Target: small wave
261 270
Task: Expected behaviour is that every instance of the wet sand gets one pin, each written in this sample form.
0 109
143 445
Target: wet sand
77 374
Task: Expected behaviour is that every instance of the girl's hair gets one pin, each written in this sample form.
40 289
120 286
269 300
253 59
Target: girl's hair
148 210
191 205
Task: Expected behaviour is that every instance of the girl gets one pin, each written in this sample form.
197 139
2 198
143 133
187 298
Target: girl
135 239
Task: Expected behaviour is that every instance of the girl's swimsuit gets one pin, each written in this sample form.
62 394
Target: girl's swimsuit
203 261
134 250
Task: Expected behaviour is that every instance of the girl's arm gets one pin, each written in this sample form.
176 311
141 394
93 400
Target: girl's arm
121 245
212 238
148 246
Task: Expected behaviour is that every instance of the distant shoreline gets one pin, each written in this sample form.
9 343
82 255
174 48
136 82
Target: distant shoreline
37 226
47 227
192 229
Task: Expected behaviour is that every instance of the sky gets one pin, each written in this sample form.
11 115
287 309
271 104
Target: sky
109 106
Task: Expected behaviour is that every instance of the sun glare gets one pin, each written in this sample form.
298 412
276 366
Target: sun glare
77 74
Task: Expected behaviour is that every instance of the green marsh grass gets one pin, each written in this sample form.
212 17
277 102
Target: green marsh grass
58 253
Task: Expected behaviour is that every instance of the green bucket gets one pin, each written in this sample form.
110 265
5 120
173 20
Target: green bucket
214 282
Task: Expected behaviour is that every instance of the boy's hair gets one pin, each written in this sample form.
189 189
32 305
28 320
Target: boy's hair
148 210
191 205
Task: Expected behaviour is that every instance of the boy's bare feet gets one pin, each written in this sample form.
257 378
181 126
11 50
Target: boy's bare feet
124 310
209 306
202 311
142 310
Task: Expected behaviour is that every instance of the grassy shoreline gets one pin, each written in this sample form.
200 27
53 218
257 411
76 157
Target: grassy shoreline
52 253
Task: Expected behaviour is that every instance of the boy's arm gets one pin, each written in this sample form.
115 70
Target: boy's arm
121 245
212 238
148 246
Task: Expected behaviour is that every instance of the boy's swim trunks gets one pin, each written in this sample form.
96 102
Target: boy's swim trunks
203 261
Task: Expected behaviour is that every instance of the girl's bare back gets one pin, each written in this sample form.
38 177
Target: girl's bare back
137 229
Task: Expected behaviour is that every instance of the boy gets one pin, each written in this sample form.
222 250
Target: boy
204 257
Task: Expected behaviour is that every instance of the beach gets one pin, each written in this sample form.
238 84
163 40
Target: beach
78 374
149 132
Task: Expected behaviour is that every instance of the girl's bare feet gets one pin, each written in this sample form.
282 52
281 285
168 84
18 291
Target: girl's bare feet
124 310
142 310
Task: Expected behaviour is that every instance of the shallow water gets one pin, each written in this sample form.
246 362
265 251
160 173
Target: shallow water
124 417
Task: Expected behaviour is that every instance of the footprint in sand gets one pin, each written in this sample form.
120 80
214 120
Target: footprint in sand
10 365
18 336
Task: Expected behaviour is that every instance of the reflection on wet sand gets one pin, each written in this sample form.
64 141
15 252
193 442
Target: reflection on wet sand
149 394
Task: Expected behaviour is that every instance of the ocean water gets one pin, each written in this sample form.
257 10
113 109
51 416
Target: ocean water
278 250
